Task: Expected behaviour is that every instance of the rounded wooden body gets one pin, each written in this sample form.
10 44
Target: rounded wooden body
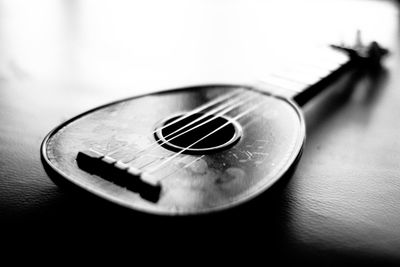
271 140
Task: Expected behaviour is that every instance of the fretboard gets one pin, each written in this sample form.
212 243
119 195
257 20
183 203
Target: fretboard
302 81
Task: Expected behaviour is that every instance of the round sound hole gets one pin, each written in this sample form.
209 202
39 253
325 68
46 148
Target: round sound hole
198 133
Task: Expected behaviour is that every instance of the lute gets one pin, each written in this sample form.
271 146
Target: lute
197 149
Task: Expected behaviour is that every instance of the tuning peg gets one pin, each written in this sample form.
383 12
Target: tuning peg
376 53
370 54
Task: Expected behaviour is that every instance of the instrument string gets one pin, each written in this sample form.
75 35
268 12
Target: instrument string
184 167
203 107
336 59
155 160
225 109
169 159
192 112
217 107
242 101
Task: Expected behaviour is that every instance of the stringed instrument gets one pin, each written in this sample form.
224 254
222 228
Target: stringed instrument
197 149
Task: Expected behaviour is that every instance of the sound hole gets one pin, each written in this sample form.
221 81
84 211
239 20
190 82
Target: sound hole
197 135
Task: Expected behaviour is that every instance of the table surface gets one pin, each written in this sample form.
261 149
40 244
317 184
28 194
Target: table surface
60 58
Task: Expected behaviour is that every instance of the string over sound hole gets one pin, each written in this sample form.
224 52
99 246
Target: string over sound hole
198 133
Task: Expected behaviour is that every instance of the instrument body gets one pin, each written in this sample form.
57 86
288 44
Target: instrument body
124 152
272 139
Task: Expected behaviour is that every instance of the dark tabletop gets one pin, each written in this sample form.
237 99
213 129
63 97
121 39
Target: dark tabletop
60 58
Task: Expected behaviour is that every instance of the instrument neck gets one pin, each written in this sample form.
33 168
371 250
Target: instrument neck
310 91
310 79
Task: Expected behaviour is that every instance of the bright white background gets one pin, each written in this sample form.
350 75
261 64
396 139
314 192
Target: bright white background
129 47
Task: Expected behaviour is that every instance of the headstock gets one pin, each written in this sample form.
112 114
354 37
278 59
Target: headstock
368 56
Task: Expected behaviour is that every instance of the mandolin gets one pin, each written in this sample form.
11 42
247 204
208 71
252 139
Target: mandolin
198 149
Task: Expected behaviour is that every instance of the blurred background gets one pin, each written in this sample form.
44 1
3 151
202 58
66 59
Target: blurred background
130 47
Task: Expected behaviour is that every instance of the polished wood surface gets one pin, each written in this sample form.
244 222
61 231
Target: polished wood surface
60 58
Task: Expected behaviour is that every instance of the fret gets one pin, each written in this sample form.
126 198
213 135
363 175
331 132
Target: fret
305 70
275 89
321 66
282 84
299 76
300 82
